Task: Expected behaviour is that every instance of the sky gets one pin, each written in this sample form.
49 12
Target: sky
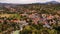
26 1
57 0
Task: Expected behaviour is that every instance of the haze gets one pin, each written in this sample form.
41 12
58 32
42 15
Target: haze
26 1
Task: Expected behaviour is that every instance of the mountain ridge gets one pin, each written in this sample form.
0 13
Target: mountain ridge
51 2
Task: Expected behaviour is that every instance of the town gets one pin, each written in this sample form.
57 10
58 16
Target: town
30 19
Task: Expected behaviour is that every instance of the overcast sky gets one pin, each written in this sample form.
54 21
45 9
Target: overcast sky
25 1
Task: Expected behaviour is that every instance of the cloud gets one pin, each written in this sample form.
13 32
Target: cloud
23 1
57 0
42 1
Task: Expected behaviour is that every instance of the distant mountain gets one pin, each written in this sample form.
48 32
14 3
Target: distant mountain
7 3
51 2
